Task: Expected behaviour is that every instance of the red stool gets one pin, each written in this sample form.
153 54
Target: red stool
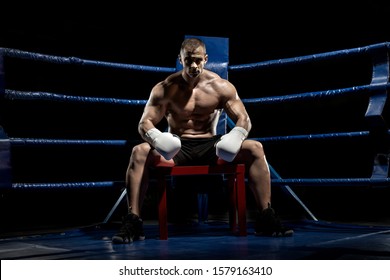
235 174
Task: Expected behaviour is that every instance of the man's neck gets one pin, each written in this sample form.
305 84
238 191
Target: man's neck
191 81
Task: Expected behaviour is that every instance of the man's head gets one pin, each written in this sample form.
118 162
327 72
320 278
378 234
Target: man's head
193 56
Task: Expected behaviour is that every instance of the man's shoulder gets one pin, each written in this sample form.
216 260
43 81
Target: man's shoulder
211 74
173 78
169 83
215 79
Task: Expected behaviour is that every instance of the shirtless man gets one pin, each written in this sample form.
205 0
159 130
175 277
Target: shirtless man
192 100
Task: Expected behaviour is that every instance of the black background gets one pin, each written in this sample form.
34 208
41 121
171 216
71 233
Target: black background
133 33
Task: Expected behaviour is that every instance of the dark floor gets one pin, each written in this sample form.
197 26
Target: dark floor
342 228
313 240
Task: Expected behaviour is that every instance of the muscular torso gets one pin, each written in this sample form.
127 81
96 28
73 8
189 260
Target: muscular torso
193 111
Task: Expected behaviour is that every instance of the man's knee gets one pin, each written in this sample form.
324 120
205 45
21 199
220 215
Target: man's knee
140 150
255 147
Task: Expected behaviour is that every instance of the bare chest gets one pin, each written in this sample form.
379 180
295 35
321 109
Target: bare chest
197 102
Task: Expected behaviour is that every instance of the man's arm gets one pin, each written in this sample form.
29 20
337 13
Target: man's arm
230 143
167 144
235 109
154 111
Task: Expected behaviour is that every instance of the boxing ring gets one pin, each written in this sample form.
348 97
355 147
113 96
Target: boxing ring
87 147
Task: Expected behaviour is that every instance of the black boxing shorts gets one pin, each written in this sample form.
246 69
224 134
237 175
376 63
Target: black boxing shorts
197 151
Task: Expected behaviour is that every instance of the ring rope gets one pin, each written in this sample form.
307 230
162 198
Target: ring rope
38 95
345 182
334 182
43 141
310 58
74 60
69 185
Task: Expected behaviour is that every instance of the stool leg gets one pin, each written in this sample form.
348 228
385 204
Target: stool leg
232 202
241 203
203 205
162 207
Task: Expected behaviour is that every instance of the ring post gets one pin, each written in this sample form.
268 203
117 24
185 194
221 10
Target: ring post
5 145
374 113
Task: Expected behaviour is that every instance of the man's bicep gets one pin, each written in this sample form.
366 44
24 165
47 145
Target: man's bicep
237 112
235 108
152 114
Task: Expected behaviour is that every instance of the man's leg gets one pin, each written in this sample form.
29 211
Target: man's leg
137 177
137 174
142 157
259 178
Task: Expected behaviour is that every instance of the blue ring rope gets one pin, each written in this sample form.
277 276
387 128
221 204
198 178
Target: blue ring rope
77 61
309 58
339 182
70 185
38 95
42 141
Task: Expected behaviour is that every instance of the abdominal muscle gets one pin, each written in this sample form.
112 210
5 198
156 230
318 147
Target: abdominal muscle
194 127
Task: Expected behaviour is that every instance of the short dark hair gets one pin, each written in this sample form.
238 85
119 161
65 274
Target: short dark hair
192 43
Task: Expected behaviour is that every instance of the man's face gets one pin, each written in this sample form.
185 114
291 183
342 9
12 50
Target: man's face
193 61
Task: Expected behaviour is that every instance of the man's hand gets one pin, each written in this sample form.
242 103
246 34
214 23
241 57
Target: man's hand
230 144
167 144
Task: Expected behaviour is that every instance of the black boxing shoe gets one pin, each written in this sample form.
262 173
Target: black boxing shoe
268 224
131 229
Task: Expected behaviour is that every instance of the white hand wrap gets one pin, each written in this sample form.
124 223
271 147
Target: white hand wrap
167 144
230 144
